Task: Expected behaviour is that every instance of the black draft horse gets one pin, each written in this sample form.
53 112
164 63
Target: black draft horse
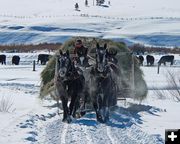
101 84
69 84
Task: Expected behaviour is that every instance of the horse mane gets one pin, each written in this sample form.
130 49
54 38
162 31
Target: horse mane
114 68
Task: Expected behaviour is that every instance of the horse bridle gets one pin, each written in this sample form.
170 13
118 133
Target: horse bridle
71 72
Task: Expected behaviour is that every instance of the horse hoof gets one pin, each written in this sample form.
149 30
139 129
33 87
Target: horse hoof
63 120
67 120
76 115
82 113
99 119
107 118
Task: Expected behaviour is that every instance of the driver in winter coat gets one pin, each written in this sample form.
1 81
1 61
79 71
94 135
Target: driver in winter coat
81 52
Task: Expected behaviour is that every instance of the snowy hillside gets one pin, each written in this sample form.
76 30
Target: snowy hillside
119 8
154 22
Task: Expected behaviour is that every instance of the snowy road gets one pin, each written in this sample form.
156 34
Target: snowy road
88 130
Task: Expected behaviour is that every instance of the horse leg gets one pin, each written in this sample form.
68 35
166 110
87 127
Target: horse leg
76 106
98 116
115 88
72 106
83 112
105 107
171 62
97 110
66 117
58 106
106 114
86 64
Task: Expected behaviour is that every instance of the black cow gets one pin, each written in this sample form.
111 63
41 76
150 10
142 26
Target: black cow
3 59
15 60
43 58
150 60
167 58
140 60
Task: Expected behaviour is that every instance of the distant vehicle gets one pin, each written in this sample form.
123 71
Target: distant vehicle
43 58
3 59
15 60
150 60
167 58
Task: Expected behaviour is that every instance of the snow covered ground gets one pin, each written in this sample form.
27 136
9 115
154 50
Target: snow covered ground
31 120
152 22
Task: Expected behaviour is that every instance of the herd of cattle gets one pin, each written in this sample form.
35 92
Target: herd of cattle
15 59
150 60
42 58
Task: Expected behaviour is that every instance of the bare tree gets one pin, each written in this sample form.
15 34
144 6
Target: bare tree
6 104
173 88
174 83
159 93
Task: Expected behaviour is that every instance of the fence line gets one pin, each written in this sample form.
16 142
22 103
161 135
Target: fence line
87 15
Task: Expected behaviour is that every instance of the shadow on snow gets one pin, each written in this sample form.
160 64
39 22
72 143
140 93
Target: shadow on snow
120 117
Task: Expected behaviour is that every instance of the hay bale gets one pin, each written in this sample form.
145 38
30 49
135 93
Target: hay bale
124 57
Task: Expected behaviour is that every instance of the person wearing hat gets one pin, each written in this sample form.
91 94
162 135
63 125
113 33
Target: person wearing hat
81 52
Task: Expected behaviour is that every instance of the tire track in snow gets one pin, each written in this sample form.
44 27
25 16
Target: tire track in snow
52 134
108 130
77 134
64 133
89 141
99 134
133 135
58 132
87 130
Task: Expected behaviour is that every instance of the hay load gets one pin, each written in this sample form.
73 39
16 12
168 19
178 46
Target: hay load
130 78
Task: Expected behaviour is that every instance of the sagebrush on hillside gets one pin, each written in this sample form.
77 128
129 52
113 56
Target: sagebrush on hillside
125 63
29 47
